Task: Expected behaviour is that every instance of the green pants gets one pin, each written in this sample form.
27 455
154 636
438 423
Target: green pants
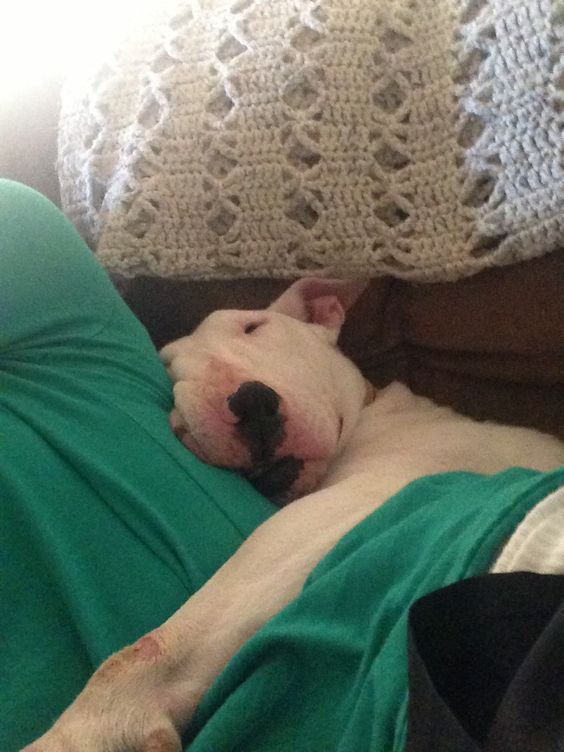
107 524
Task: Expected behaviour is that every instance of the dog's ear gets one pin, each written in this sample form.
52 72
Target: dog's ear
319 301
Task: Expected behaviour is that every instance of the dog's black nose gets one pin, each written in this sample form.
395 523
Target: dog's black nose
256 406
253 398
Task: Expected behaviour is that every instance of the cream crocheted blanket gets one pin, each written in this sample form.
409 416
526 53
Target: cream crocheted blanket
232 138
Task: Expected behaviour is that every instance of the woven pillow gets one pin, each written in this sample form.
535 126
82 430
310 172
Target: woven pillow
419 138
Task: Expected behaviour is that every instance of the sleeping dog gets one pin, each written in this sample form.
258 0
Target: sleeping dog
268 393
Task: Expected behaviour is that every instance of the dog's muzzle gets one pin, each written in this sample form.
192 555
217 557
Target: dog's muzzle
260 424
261 427
275 479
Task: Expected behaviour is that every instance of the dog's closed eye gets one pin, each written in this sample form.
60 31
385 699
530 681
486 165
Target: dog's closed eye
252 326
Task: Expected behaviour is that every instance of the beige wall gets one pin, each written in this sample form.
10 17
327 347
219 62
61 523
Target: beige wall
28 138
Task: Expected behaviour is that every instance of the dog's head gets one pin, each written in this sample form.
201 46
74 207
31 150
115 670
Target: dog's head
267 392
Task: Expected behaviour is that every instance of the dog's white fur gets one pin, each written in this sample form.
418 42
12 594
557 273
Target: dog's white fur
144 696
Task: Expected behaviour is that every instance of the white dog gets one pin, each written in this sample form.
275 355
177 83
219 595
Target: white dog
268 392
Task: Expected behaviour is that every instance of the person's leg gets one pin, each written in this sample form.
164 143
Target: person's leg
107 523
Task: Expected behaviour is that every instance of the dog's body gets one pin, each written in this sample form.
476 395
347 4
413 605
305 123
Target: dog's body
267 392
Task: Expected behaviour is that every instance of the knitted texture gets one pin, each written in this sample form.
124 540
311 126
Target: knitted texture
279 138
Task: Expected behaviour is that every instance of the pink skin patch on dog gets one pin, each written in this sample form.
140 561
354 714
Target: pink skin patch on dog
148 648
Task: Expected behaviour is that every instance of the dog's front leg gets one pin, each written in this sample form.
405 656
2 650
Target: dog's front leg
142 698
